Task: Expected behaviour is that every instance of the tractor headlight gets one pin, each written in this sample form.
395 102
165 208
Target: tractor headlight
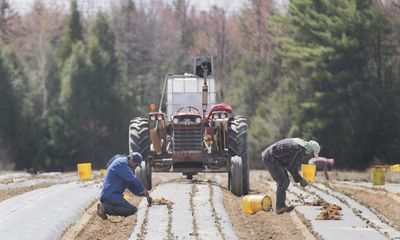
198 120
215 116
175 120
159 117
152 117
223 115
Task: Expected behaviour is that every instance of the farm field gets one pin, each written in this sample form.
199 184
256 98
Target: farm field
58 205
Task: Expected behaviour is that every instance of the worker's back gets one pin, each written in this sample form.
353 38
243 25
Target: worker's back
280 150
119 177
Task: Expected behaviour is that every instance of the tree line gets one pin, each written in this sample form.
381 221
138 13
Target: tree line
324 69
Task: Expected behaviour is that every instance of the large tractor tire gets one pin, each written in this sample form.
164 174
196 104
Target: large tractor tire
144 174
139 141
237 146
236 173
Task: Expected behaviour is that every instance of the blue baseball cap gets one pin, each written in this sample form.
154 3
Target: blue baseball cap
137 157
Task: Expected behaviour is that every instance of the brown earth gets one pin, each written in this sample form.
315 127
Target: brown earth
358 176
9 193
377 199
113 228
262 225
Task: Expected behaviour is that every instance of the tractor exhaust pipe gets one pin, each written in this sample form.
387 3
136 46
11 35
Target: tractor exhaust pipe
203 68
204 102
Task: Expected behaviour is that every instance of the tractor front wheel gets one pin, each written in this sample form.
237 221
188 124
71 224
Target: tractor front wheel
144 174
236 176
237 146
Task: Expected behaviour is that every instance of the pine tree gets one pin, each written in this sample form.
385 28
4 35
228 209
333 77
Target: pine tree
68 121
8 111
96 117
330 57
109 114
72 33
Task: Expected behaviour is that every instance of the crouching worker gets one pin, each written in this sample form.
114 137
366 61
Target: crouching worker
120 175
287 155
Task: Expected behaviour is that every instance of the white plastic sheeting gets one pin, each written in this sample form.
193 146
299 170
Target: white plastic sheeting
350 227
20 180
45 213
225 223
157 228
380 223
38 180
182 217
204 215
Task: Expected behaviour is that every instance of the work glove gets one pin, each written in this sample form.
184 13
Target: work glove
149 200
303 183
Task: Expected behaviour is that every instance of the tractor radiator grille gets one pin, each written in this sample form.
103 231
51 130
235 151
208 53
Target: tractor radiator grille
188 140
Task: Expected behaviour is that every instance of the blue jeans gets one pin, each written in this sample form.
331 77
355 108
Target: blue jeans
281 177
119 209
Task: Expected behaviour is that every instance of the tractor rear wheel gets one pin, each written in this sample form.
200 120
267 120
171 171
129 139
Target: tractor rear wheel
139 141
237 146
236 172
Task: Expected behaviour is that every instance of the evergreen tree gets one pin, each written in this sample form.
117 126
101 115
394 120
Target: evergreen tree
95 116
61 142
330 56
21 126
8 109
109 115
68 122
72 33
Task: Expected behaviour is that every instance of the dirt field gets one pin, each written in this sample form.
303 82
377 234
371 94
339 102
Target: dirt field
262 225
358 176
114 227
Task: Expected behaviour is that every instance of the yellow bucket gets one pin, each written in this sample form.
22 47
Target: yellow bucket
103 172
395 168
254 203
85 171
308 172
378 175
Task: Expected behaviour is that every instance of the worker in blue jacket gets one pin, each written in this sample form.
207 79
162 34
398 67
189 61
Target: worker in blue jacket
120 175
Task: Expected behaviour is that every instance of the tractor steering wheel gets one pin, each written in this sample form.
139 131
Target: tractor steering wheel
189 108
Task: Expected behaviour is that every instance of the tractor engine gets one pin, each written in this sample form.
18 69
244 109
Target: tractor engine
187 136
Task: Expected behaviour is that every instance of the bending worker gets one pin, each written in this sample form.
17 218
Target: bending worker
120 175
287 155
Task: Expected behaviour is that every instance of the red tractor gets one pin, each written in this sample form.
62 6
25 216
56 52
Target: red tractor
191 133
